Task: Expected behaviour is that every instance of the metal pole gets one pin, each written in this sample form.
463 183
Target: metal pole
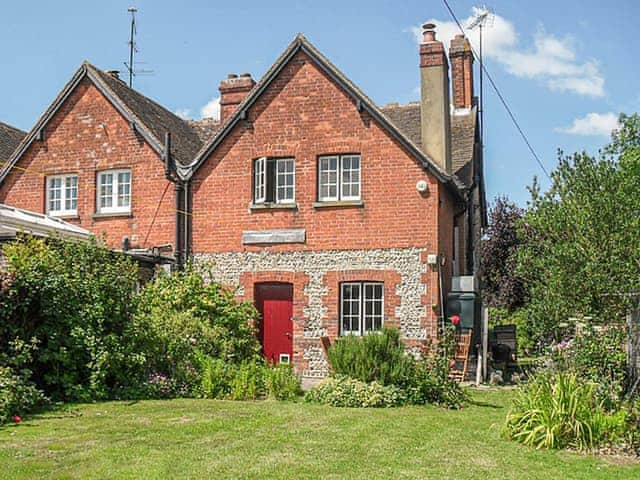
481 91
131 44
485 340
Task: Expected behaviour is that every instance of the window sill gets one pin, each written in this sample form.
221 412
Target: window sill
272 206
112 215
339 204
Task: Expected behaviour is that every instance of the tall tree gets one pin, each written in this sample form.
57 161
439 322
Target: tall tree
502 286
581 251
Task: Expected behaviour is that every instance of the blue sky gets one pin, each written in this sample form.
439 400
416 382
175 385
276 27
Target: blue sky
567 68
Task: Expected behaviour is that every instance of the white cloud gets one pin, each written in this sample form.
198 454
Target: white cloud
592 124
551 60
183 113
211 109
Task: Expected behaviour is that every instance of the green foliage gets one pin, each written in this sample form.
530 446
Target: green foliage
281 383
18 395
75 299
377 357
248 380
343 391
561 410
180 314
581 239
597 356
382 358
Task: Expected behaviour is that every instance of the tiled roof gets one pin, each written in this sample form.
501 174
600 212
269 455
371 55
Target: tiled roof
463 130
185 140
10 138
205 128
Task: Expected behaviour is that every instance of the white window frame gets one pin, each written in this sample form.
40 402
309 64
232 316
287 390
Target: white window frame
267 181
359 170
328 159
340 196
260 180
115 187
362 286
277 180
63 210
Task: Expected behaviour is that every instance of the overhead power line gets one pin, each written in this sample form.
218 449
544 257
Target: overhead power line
500 95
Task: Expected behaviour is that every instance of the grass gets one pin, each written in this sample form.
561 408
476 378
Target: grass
225 439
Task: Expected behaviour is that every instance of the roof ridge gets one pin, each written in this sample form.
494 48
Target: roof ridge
11 127
137 92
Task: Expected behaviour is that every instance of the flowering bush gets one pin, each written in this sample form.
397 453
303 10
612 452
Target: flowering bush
342 391
596 355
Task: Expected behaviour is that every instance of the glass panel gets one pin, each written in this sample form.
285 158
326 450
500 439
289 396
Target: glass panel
55 194
350 185
373 306
124 189
328 170
71 193
350 310
285 179
259 181
106 190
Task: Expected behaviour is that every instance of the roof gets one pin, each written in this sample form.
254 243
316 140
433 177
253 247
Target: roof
205 128
15 220
463 133
151 120
10 138
300 43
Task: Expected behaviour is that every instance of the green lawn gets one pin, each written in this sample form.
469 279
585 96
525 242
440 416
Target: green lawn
220 439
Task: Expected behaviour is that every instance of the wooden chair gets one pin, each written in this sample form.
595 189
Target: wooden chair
461 357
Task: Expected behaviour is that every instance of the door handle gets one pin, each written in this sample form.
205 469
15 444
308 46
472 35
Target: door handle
288 335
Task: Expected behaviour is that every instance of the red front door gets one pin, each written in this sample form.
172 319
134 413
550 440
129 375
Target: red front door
274 301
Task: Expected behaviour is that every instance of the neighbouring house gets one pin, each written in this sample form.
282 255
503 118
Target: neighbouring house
334 215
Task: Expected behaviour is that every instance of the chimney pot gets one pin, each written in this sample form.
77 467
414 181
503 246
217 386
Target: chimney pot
114 73
245 75
231 76
429 32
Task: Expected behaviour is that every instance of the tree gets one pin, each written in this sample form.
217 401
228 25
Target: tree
581 239
502 286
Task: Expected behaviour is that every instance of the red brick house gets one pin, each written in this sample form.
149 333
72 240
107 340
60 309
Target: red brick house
334 215
96 158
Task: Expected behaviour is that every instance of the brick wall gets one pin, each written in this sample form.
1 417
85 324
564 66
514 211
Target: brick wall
304 114
85 136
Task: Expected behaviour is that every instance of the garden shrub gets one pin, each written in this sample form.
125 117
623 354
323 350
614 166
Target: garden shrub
179 315
560 410
18 395
343 391
598 356
248 380
382 358
376 357
75 299
281 383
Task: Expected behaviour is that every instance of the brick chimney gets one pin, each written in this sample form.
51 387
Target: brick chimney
434 105
233 91
461 58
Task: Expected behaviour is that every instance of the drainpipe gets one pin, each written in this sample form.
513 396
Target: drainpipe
171 175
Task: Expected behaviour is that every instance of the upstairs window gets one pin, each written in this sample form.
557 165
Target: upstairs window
338 178
274 180
361 307
62 195
114 191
